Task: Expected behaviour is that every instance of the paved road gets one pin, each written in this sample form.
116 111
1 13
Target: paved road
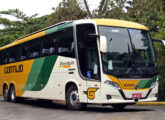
33 110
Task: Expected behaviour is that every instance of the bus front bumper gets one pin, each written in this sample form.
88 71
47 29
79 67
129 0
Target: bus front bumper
126 96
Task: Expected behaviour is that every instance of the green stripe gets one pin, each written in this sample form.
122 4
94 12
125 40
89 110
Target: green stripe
40 73
33 76
58 28
146 83
45 73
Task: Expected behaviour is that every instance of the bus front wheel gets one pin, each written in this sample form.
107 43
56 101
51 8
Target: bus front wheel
6 93
72 99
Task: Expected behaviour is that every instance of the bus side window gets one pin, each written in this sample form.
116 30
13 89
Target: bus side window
1 62
34 49
24 52
48 46
14 54
65 43
5 56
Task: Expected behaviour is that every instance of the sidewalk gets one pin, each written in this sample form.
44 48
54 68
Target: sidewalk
150 103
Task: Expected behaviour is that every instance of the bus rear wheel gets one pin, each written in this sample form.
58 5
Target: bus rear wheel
6 93
12 94
72 99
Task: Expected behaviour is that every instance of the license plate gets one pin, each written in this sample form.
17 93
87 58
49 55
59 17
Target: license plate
137 95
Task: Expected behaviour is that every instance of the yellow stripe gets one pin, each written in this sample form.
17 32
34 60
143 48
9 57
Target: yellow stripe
19 79
136 90
24 40
127 85
119 23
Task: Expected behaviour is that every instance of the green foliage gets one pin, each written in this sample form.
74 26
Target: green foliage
23 25
152 14
67 10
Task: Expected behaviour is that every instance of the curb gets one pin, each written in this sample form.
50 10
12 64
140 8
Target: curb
58 101
150 103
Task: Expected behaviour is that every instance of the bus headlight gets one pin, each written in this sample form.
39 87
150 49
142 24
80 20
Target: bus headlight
113 84
153 85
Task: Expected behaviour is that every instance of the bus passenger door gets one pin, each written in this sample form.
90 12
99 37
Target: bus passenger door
89 61
93 75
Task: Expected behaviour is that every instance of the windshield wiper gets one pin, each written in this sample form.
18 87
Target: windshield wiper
129 60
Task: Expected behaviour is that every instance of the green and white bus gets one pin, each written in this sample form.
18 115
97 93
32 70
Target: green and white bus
100 61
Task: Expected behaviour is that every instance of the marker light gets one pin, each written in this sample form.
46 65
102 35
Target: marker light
113 84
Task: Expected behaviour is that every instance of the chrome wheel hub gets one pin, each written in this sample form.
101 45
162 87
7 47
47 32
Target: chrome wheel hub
12 95
6 93
74 98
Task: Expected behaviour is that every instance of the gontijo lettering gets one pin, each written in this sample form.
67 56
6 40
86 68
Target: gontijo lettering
13 69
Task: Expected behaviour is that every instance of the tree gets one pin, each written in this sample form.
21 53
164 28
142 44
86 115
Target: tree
160 50
151 13
145 12
67 10
13 29
108 9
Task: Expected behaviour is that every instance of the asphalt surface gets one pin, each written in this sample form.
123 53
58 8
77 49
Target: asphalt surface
35 110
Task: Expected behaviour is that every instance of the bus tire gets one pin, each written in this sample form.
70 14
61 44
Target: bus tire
6 93
72 99
12 94
119 106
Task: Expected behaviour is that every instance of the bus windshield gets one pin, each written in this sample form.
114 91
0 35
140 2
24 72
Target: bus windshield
129 53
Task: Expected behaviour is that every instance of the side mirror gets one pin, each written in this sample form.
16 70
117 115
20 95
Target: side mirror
103 44
160 41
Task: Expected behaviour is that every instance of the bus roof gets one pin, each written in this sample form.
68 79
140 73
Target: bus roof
119 23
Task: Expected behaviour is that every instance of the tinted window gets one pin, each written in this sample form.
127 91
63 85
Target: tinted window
24 52
65 43
142 45
35 48
1 57
4 57
129 53
14 54
88 51
60 43
49 46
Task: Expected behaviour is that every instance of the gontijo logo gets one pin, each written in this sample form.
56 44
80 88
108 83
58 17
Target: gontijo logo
91 93
13 69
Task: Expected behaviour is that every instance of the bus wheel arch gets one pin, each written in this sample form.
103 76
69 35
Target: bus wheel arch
68 85
11 84
6 92
72 97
